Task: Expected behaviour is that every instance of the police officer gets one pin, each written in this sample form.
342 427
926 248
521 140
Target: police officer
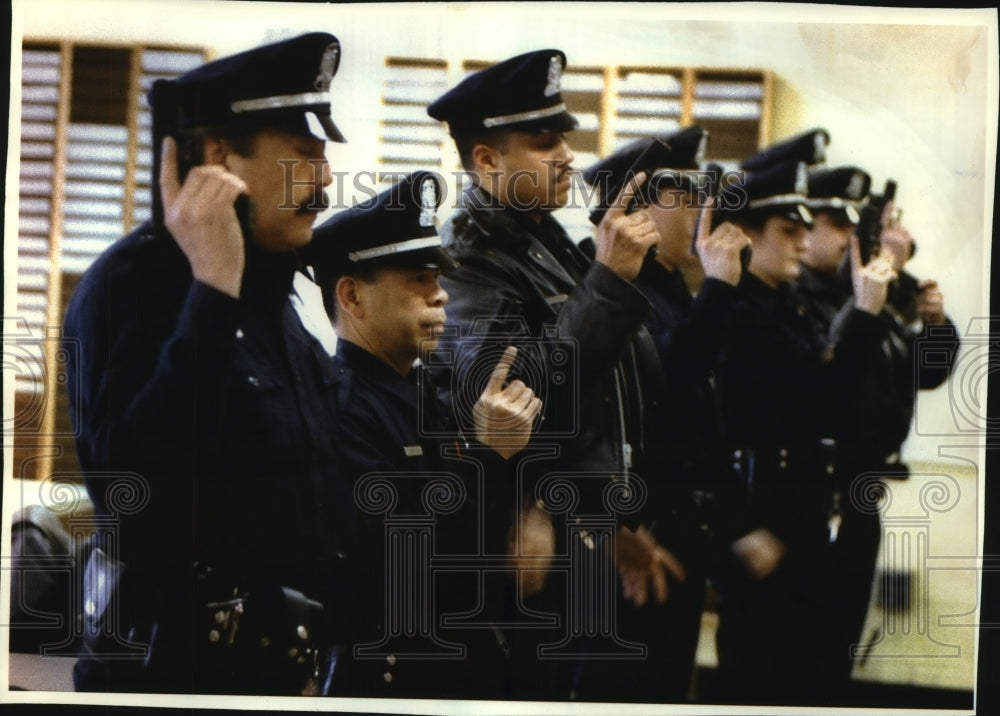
688 332
519 268
914 319
204 425
914 312
837 195
788 410
379 276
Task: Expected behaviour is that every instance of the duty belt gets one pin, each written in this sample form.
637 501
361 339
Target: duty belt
815 463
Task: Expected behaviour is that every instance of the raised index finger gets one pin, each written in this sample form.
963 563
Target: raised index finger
855 250
499 375
169 186
705 220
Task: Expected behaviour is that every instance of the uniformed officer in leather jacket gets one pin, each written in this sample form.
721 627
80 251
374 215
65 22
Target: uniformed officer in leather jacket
519 271
205 424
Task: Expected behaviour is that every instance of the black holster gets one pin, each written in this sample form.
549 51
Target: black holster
201 632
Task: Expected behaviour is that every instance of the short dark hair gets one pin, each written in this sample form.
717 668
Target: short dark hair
241 138
466 143
753 219
328 285
838 217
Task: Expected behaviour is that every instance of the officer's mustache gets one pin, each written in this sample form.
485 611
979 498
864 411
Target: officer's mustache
318 201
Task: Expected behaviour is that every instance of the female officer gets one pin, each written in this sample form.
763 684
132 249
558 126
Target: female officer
788 408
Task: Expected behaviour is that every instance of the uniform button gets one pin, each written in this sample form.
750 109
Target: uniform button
391 659
253 381
239 333
387 677
341 554
737 454
302 632
214 636
782 464
220 617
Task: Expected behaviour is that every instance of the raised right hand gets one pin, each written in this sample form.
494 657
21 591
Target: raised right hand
871 281
504 414
202 219
719 250
623 240
895 239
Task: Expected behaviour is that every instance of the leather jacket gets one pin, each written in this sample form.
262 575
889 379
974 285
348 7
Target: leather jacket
579 328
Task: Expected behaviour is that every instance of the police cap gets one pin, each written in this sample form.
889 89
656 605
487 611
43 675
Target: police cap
842 190
669 162
776 190
284 85
809 147
396 228
522 93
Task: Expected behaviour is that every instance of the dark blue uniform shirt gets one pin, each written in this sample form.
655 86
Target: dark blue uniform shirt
416 497
206 429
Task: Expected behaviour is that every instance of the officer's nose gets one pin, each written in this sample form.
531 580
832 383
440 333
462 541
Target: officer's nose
440 296
565 152
326 172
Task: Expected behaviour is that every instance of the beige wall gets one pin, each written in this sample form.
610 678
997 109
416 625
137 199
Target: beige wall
915 100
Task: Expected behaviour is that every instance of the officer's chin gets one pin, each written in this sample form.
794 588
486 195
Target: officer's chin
432 334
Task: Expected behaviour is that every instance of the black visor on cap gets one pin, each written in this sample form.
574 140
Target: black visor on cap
841 215
432 257
326 122
800 213
315 125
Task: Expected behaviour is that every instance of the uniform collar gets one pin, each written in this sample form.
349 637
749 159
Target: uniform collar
818 283
361 361
498 221
267 277
752 286
653 270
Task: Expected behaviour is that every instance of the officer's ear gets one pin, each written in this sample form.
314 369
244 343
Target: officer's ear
350 300
215 150
485 158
